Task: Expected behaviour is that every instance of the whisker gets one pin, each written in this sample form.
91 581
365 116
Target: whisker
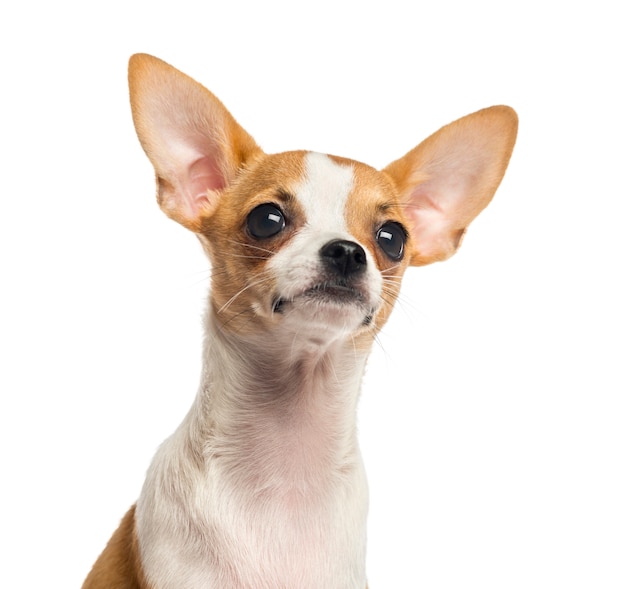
379 343
251 257
249 245
229 302
390 269
233 317
392 280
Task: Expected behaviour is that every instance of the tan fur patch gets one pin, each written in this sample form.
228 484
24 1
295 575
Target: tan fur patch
119 565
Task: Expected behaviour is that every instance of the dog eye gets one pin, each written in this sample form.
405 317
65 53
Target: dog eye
265 221
391 238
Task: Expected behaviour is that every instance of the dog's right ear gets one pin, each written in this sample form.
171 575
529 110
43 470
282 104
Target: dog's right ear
193 142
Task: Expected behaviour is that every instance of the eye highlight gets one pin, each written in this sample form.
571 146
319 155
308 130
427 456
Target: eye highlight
265 221
391 238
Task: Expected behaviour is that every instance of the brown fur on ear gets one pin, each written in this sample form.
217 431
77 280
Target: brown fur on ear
193 142
449 178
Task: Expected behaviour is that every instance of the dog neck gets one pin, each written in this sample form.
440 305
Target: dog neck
265 462
278 400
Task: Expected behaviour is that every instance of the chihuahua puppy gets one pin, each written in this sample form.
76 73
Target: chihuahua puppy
262 485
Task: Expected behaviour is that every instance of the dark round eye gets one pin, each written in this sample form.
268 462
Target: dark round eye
391 238
265 221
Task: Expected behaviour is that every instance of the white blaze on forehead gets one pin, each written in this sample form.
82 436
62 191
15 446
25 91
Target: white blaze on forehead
324 193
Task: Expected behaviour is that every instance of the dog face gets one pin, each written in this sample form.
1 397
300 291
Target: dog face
313 244
303 244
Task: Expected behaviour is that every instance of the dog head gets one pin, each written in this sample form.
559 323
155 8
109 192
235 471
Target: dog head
305 244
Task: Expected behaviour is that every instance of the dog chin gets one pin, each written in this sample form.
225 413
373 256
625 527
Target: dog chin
333 308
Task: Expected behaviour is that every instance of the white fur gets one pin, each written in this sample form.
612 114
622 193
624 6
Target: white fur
262 485
324 195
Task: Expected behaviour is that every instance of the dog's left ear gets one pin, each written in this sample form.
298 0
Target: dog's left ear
194 143
449 178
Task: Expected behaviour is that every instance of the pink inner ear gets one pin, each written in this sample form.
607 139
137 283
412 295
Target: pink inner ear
430 226
204 176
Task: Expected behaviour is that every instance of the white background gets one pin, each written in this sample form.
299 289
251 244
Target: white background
493 416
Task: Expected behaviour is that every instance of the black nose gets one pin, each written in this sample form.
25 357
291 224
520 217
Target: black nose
343 257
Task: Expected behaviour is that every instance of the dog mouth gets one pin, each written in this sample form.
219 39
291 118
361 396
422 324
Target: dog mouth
328 293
